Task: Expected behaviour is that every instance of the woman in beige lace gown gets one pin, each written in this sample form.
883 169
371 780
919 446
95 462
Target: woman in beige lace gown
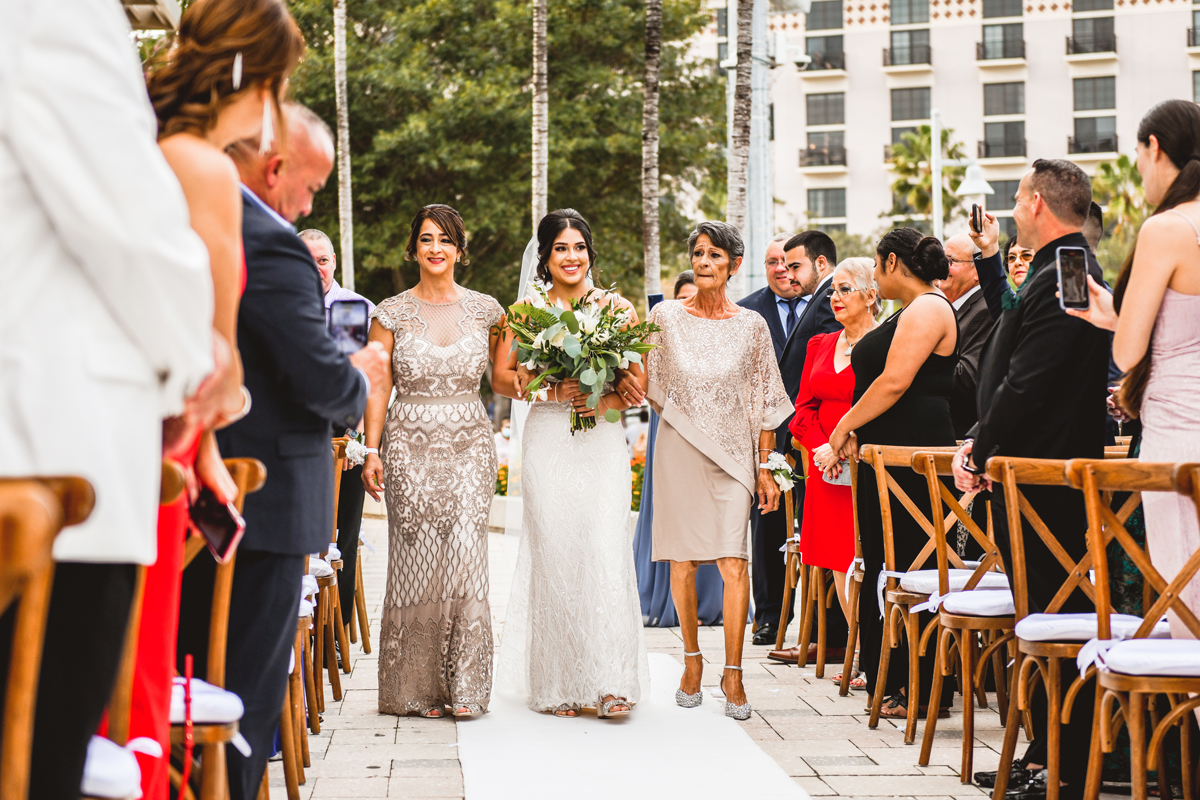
436 464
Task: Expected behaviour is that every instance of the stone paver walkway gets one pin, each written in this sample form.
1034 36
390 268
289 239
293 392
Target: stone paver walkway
820 739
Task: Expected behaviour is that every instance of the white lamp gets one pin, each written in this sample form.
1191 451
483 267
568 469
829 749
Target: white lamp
973 183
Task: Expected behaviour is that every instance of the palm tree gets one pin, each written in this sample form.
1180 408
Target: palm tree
345 207
1118 186
739 151
912 191
650 243
541 114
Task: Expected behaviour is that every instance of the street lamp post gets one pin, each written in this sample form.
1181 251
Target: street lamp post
972 184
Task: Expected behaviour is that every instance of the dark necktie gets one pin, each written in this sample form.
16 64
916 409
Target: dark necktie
791 317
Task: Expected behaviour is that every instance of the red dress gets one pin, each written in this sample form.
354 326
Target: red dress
827 529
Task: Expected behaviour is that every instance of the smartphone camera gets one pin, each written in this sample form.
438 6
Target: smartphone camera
1072 267
348 321
976 218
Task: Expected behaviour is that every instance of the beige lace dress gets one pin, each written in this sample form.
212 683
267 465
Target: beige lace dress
716 385
439 461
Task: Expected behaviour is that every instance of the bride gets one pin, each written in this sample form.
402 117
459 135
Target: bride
573 630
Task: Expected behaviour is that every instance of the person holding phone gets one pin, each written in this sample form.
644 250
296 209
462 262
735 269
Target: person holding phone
1043 382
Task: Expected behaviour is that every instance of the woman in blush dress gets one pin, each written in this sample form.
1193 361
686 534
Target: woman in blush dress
826 394
715 383
1155 312
435 460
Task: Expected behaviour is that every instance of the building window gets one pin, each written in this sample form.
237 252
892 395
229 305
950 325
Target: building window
898 133
825 52
1094 135
1003 8
1196 87
824 203
1093 5
1003 140
910 12
1003 98
909 47
1092 94
825 15
1008 227
838 227
1005 197
825 149
1092 35
1003 41
722 23
910 103
826 109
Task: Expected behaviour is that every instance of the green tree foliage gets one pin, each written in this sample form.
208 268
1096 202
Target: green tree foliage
912 191
1117 186
440 113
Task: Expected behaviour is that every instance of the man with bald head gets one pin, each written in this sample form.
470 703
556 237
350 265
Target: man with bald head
299 382
974 326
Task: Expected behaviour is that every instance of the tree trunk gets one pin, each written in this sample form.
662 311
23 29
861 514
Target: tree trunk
345 208
541 114
650 242
739 151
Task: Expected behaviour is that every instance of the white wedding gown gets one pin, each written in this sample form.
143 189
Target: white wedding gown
573 628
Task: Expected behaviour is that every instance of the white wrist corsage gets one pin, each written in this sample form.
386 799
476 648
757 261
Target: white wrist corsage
356 451
785 479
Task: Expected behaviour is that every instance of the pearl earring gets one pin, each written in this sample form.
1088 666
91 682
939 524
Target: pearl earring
237 71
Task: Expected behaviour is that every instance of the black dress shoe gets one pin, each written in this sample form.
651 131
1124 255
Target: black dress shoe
1016 777
765 635
1032 789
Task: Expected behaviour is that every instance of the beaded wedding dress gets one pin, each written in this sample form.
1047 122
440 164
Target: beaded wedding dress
573 628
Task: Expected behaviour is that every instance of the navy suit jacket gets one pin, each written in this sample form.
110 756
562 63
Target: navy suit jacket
299 381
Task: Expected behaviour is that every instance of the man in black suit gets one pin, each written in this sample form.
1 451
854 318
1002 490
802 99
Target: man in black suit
299 381
1042 387
794 310
974 326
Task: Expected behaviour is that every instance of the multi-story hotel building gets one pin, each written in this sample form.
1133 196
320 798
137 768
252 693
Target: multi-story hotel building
1014 80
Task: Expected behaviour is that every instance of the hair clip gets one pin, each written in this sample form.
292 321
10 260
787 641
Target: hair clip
237 71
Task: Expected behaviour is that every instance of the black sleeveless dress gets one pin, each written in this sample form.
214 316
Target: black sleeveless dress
919 418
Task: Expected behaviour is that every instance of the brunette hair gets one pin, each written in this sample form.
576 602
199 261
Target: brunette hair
449 221
684 278
816 244
922 256
1065 188
1176 126
548 231
723 236
190 77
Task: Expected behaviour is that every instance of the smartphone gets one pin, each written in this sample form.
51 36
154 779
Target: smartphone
219 523
348 321
1072 266
976 218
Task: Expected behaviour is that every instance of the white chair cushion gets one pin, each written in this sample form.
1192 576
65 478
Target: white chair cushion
308 586
988 603
319 567
333 554
1081 627
925 581
306 607
110 771
210 705
1154 657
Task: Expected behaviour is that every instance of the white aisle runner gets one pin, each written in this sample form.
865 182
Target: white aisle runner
660 751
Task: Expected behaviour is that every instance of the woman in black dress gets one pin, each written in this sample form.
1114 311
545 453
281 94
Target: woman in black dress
904 373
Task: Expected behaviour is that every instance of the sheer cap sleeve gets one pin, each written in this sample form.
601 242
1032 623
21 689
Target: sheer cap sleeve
388 313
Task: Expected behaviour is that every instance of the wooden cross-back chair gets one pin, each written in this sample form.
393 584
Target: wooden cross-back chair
967 620
32 512
793 571
898 620
1040 649
327 617
854 580
1122 693
249 475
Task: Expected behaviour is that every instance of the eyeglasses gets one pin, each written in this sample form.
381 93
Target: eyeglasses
841 291
961 261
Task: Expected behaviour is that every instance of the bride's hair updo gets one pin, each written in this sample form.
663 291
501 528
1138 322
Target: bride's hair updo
548 231
922 256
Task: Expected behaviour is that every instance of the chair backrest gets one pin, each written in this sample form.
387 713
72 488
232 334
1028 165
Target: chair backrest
935 465
339 461
32 512
1099 480
1012 473
880 457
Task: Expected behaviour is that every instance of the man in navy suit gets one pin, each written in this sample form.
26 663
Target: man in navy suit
798 267
299 381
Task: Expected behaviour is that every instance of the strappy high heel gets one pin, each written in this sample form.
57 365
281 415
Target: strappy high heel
604 707
689 700
741 712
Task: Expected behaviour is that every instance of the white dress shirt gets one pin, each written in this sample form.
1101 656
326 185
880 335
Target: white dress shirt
781 305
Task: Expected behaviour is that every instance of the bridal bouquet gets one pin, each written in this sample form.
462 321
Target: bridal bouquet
587 342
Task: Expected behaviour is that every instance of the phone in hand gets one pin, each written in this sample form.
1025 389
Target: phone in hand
219 523
348 322
976 218
1072 265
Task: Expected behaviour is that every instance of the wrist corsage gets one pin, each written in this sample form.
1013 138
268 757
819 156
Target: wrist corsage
781 471
356 449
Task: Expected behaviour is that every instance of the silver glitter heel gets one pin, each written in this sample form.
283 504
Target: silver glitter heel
741 712
689 700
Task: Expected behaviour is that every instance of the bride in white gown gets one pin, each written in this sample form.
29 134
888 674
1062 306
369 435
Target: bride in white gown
573 628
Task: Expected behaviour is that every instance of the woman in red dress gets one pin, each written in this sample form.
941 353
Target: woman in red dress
826 394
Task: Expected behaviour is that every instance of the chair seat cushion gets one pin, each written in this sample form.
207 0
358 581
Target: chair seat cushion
110 771
1081 627
210 704
319 567
333 554
987 603
1154 657
309 586
306 607
925 581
